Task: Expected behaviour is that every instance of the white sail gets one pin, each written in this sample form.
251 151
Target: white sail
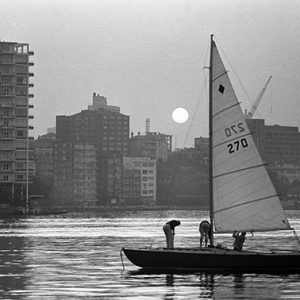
244 198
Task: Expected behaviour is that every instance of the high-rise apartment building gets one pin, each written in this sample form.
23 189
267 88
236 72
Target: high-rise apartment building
16 155
105 128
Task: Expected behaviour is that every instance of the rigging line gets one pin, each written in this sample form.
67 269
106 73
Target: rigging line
243 87
245 203
233 139
239 170
227 108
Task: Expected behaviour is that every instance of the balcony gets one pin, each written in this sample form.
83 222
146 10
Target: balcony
30 52
31 63
6 62
30 85
30 106
6 138
31 95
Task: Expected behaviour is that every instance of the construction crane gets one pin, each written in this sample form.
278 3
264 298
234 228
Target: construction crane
254 107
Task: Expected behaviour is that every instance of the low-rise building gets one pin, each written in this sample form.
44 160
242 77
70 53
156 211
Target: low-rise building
147 169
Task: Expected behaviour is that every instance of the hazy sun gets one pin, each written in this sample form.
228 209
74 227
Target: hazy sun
180 115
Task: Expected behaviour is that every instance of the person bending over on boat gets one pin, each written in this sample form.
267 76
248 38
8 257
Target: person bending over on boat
205 232
169 230
239 240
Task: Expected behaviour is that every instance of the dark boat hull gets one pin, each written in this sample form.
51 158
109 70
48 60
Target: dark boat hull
213 259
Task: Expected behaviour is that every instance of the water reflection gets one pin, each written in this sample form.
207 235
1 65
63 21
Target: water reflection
206 285
169 295
12 267
78 257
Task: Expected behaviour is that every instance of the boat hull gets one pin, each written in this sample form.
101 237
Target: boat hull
213 259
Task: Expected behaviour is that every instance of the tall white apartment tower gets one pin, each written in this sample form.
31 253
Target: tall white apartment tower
16 155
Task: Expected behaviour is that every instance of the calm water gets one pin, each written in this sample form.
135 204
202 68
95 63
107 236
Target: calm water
77 256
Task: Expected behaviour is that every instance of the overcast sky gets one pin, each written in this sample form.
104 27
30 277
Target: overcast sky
148 56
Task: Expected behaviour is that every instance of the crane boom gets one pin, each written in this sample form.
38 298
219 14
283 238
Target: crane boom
254 107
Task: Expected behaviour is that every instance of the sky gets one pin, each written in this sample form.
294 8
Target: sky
149 57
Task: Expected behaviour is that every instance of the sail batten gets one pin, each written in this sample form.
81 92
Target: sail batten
223 110
244 197
220 76
239 170
245 203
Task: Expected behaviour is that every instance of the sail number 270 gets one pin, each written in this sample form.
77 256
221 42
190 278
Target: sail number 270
238 144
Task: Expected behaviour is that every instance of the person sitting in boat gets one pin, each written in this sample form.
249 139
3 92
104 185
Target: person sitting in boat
239 240
169 230
205 232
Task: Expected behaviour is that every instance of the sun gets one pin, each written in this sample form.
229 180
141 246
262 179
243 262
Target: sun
180 115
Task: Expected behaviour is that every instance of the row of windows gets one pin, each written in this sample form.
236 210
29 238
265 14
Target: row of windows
147 171
145 178
145 192
144 164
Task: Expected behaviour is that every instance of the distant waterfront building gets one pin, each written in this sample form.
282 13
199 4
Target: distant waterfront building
288 172
147 168
43 149
106 129
16 151
131 186
276 143
202 144
75 174
152 144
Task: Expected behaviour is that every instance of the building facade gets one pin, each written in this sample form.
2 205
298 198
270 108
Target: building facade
146 167
43 149
108 131
276 143
16 146
152 144
75 173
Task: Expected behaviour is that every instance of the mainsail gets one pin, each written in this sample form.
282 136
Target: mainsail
244 198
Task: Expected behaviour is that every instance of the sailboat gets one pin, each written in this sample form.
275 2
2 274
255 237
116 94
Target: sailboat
242 196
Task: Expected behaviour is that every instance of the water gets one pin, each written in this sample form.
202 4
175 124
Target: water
77 256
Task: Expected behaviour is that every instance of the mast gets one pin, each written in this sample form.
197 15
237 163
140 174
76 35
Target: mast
211 214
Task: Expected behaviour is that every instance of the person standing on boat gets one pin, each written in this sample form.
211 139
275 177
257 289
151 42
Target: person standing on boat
169 230
205 232
239 240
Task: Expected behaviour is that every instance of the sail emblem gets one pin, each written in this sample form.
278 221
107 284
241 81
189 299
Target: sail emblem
221 89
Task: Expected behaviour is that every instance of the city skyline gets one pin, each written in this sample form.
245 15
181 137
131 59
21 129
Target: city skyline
148 58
